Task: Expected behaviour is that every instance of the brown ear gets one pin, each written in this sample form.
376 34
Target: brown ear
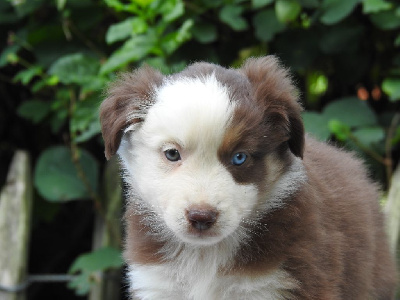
273 89
126 103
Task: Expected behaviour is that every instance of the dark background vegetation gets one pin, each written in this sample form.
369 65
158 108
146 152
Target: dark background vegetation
56 58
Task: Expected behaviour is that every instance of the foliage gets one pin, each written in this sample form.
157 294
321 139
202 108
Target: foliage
88 265
64 52
57 179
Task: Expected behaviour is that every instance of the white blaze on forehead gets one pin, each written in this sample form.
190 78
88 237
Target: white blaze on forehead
190 110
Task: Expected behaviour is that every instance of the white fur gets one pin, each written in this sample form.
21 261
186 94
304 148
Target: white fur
191 115
168 282
286 185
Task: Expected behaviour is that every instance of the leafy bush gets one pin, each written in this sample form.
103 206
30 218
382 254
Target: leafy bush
344 55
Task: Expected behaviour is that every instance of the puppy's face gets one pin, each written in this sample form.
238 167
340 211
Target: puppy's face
203 152
173 160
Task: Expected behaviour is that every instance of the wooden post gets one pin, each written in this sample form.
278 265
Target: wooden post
15 216
108 232
392 210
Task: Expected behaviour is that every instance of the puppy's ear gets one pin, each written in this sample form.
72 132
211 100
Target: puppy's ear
126 104
272 88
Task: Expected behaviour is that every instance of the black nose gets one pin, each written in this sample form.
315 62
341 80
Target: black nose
202 218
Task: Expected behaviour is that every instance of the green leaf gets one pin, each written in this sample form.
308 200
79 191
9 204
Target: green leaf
84 122
60 107
172 9
125 29
88 264
24 8
173 40
369 135
34 110
82 283
260 3
134 49
267 25
333 11
204 32
98 260
287 10
47 81
158 63
75 68
232 16
143 3
139 26
341 131
93 129
7 52
391 86
56 176
374 6
131 7
96 84
25 76
350 111
317 125
317 84
386 20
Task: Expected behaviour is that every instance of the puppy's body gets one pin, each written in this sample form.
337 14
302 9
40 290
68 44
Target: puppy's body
228 199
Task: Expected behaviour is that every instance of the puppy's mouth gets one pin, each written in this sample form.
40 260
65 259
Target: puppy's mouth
202 237
202 233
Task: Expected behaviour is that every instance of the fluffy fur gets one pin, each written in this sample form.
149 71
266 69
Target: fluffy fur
294 219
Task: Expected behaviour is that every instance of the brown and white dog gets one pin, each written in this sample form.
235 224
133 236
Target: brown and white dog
227 197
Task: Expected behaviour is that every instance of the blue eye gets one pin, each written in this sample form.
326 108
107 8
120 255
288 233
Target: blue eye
239 158
172 155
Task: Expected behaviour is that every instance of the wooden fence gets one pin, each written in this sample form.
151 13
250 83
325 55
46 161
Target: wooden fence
15 215
15 221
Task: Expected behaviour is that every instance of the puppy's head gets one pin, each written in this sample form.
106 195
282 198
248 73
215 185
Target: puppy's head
209 149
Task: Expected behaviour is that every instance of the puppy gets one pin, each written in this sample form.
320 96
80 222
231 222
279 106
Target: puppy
229 199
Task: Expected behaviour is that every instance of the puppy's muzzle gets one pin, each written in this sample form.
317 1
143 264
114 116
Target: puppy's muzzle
201 218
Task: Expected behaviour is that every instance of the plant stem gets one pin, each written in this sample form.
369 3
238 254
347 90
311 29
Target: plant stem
367 150
388 147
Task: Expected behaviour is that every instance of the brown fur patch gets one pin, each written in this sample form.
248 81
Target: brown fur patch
329 236
266 119
124 97
140 246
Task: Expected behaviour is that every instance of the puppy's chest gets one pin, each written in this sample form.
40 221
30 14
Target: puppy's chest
190 282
